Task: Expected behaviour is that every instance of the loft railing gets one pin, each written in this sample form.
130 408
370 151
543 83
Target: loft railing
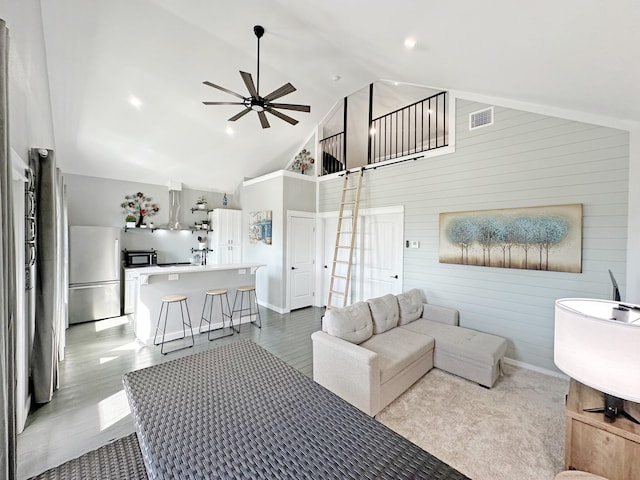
418 127
332 152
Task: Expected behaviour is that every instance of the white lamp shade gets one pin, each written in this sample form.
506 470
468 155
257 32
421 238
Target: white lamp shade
596 350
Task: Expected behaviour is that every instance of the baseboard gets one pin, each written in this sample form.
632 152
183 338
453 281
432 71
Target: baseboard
273 307
535 368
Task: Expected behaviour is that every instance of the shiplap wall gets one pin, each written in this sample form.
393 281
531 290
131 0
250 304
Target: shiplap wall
523 160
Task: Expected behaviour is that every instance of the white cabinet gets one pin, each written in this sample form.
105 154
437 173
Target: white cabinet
130 291
225 238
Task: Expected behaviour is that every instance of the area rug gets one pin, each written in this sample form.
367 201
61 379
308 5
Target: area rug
513 431
119 460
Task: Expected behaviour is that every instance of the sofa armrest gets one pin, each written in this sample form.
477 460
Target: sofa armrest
436 313
348 370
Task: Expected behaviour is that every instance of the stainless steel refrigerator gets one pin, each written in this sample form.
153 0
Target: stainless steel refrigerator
94 273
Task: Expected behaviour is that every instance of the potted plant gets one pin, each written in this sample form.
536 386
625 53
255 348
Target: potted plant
130 221
202 202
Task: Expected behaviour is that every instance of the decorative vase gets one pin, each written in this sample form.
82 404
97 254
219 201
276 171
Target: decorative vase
131 224
224 200
202 206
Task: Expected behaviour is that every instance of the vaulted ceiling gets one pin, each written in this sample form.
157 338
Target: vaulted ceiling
573 54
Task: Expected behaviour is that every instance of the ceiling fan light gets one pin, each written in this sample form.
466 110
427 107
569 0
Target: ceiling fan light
256 107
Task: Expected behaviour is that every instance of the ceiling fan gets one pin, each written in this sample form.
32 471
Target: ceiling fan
254 102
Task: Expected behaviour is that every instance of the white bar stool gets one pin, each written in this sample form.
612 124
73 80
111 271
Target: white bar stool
168 300
213 294
248 289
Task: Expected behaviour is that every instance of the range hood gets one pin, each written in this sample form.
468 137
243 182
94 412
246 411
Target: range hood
175 190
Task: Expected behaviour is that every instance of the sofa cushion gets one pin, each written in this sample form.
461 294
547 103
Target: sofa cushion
384 312
410 304
397 349
462 342
352 323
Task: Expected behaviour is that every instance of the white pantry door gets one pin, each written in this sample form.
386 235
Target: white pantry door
381 254
378 254
301 260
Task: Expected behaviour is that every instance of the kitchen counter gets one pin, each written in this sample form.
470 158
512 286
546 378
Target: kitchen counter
153 283
166 269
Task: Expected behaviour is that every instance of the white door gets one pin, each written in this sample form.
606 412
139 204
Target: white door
301 260
381 254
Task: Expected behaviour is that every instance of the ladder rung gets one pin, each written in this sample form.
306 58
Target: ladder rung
336 293
340 261
339 276
350 188
347 203
343 246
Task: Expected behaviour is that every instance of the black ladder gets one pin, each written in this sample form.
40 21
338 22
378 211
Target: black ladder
343 252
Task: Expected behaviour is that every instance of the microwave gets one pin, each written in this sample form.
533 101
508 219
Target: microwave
139 258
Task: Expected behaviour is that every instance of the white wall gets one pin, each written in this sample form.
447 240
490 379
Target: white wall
265 193
524 159
29 101
278 192
632 293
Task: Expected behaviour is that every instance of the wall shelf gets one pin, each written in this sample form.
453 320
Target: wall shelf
190 229
204 210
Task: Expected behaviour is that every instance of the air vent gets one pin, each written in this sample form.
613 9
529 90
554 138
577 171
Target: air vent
481 118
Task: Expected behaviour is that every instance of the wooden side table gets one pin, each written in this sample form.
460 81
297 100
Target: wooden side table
596 445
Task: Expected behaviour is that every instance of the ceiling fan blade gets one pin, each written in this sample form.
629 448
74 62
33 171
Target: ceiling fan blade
239 115
289 106
248 81
263 120
284 117
223 89
223 103
281 92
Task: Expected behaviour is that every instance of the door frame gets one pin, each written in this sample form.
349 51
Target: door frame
288 262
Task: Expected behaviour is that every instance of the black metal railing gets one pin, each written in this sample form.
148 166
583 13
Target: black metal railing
332 153
418 127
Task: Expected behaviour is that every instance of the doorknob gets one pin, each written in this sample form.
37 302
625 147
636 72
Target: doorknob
294 268
326 266
393 276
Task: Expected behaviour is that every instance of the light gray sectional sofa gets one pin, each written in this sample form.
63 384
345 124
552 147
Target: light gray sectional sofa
370 352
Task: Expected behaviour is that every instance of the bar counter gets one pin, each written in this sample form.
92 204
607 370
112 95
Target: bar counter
153 283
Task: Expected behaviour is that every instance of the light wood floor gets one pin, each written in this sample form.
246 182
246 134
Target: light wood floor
90 408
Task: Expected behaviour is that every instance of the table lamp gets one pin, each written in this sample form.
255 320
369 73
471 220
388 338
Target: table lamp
597 342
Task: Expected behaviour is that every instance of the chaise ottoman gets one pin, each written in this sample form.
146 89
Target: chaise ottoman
467 353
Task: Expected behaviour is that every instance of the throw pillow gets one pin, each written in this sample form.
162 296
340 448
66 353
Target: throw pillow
410 304
352 323
385 313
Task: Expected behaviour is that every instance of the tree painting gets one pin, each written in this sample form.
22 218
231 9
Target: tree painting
535 238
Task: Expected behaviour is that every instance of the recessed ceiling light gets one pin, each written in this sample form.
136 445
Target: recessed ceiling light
335 77
229 130
135 101
409 42
372 131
